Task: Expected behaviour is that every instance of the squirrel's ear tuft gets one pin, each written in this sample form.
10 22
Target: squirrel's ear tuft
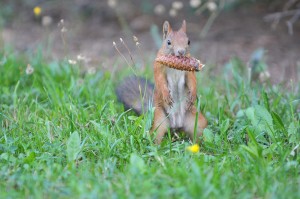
183 26
166 29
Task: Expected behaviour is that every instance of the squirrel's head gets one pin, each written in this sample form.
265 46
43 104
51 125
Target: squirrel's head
175 42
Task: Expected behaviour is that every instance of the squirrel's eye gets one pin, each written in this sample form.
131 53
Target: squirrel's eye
169 42
189 42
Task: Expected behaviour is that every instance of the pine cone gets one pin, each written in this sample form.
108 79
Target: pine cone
180 63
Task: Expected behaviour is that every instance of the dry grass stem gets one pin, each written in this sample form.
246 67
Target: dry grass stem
123 56
128 50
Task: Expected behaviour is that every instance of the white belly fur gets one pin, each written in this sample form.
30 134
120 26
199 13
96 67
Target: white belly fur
176 84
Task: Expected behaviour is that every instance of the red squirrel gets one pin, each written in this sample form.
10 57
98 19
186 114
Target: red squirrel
175 91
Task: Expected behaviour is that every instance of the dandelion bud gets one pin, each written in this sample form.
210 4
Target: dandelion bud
121 40
114 43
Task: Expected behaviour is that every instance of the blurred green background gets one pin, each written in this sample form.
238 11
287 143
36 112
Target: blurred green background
254 31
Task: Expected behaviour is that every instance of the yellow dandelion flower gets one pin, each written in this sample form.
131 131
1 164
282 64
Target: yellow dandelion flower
37 11
194 148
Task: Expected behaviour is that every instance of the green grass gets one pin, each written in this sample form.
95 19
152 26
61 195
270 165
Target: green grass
64 135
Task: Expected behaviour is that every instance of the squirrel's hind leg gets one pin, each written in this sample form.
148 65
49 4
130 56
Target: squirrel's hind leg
189 124
160 124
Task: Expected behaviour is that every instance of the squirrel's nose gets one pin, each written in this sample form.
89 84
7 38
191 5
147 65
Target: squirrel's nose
181 52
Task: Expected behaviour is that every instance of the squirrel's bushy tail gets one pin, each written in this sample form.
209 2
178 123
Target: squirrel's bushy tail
135 93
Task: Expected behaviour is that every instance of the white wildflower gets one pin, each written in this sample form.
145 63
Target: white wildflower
159 9
61 23
211 6
29 69
91 70
72 62
173 12
80 57
135 39
264 76
46 21
177 5
112 3
195 3
64 29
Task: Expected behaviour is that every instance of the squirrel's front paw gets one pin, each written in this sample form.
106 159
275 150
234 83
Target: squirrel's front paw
189 105
167 98
190 101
